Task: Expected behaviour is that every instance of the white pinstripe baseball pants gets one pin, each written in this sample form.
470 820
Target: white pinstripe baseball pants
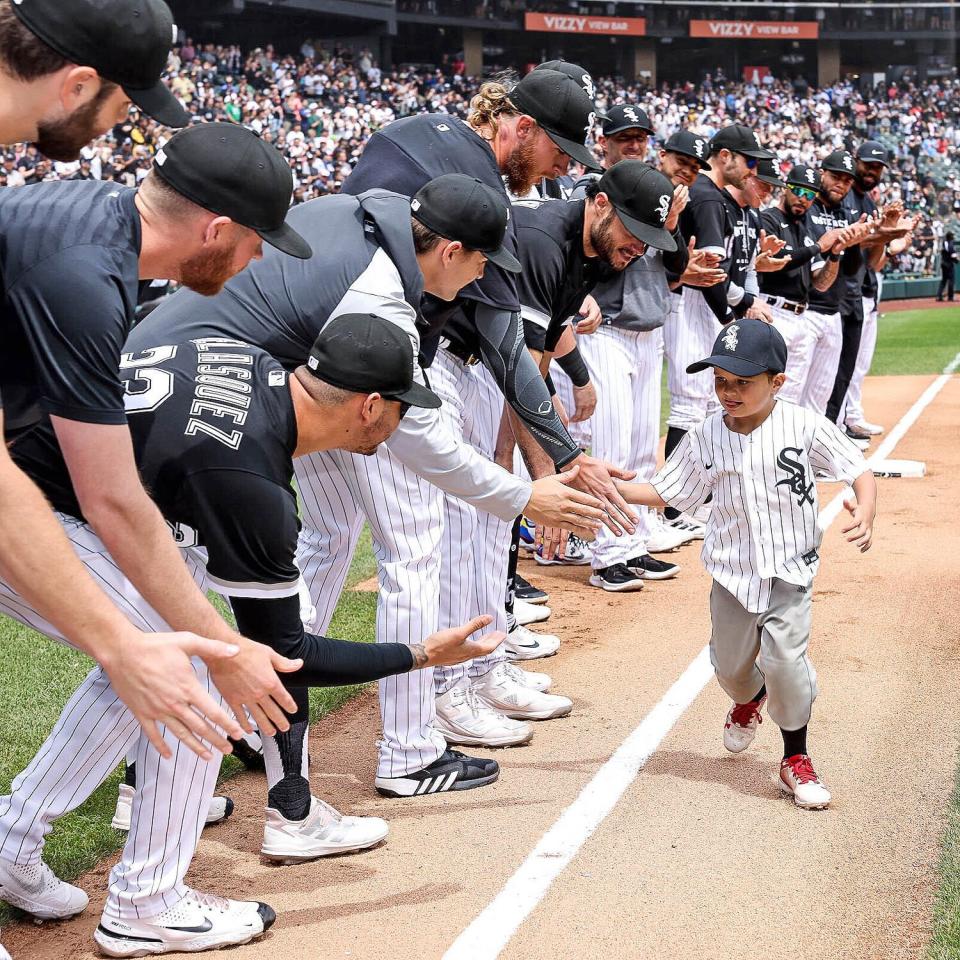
853 412
94 733
625 366
475 546
338 491
689 333
826 333
796 332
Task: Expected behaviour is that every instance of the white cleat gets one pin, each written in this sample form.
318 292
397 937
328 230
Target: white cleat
529 678
200 921
220 808
525 612
688 524
37 890
524 644
324 833
741 724
666 538
505 694
874 429
798 777
463 718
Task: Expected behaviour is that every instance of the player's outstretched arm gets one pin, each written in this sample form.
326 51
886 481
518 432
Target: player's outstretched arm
862 511
152 673
641 495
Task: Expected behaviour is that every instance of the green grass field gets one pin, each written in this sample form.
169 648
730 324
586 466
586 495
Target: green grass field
40 676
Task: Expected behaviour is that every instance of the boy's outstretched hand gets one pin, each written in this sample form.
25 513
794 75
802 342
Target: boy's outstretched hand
860 530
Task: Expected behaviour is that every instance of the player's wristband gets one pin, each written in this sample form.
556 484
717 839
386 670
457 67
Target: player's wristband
833 257
551 388
572 364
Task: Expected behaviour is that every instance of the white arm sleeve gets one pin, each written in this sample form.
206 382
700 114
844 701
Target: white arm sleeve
422 443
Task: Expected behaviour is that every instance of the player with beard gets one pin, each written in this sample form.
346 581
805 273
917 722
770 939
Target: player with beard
71 256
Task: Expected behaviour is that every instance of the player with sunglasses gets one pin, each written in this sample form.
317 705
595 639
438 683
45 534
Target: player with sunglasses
787 291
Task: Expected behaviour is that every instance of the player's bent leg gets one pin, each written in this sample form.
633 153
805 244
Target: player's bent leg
734 645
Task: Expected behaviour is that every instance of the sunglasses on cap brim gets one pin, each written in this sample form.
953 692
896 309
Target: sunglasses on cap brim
804 193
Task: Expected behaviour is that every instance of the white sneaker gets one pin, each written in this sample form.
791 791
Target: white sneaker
200 921
524 644
864 426
741 724
323 833
665 538
37 890
529 678
530 613
798 777
220 808
500 690
688 524
463 718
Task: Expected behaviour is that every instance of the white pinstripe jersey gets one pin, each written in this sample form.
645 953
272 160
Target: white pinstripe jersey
763 523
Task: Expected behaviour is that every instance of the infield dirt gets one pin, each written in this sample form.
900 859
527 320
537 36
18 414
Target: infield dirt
701 858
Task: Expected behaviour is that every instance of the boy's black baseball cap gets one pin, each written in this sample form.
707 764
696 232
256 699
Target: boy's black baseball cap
563 108
464 208
642 197
227 169
746 348
739 139
690 145
125 41
625 116
364 353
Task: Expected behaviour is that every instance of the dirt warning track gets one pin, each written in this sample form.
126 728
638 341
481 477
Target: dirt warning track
701 857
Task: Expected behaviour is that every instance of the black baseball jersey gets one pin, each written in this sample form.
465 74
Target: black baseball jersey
746 236
709 217
214 432
791 283
851 300
557 275
69 268
362 245
819 219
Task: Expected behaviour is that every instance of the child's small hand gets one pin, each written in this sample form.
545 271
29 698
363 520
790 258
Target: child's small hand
861 529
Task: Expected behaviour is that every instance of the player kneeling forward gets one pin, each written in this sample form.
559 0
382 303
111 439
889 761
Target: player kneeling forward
758 457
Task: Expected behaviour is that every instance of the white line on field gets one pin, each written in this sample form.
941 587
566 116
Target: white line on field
493 929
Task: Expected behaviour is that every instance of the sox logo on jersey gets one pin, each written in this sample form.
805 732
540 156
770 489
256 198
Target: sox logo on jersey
797 475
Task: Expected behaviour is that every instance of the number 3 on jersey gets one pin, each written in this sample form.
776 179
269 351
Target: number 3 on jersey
145 386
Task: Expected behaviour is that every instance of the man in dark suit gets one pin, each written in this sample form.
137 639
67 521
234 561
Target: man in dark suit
948 262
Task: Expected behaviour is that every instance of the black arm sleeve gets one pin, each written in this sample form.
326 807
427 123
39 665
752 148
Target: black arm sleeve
505 355
799 257
716 297
740 310
675 263
573 366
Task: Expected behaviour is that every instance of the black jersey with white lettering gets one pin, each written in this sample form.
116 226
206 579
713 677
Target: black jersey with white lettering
708 216
281 303
746 236
791 283
557 274
214 433
819 219
69 270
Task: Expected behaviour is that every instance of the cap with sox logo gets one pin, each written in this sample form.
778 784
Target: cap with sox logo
871 151
125 41
562 107
746 348
839 162
626 117
690 145
801 175
574 71
641 197
739 139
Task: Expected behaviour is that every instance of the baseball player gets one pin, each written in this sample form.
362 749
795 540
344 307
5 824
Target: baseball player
215 426
59 108
757 457
828 212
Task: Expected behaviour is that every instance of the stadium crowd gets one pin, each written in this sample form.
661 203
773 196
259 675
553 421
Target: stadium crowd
321 105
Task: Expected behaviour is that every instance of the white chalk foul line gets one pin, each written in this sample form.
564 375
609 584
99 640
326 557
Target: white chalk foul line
493 929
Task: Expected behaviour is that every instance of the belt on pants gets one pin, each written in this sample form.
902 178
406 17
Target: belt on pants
461 353
787 305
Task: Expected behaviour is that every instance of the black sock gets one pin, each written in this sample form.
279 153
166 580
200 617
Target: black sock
760 695
512 565
291 794
794 742
674 436
130 775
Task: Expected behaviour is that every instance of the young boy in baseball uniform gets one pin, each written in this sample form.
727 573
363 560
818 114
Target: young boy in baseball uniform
758 457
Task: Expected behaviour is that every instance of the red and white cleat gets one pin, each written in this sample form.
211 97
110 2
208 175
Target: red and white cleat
798 777
741 724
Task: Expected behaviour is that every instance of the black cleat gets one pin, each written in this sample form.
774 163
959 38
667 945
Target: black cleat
452 770
652 569
618 578
524 590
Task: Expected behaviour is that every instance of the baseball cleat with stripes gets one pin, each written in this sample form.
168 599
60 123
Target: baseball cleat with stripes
37 890
798 777
324 833
220 808
200 921
452 770
524 644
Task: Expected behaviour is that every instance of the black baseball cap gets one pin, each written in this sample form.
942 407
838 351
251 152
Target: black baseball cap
364 353
801 175
840 161
125 41
746 348
464 208
739 139
872 151
574 71
642 197
626 117
769 172
562 107
227 169
690 145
